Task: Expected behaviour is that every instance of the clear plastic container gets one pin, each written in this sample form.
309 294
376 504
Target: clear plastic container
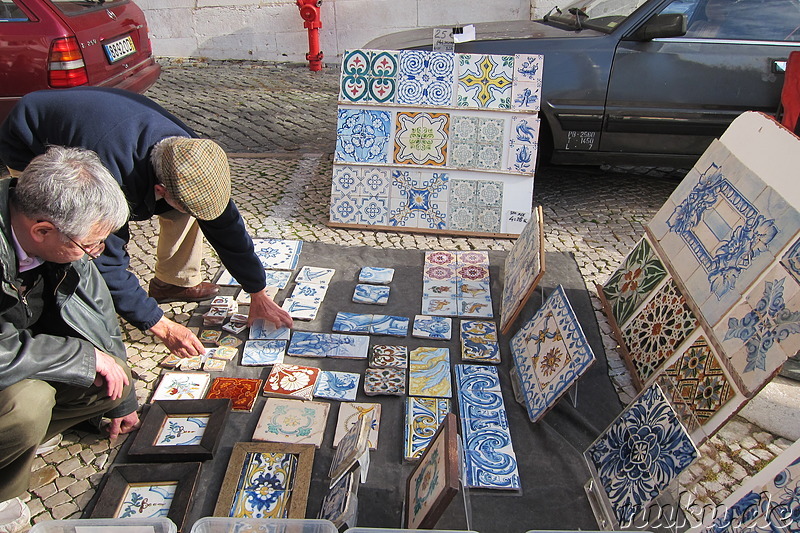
107 525
213 524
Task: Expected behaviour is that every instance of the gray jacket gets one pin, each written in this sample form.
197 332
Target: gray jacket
54 342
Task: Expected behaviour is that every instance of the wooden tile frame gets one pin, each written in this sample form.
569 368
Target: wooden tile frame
144 449
300 483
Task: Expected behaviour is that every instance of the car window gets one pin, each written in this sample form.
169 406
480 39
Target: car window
75 7
11 12
750 20
600 15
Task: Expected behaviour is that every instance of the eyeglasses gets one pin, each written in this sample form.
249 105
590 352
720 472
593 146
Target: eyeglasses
96 248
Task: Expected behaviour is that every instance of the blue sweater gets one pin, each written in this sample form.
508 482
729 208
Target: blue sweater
122 127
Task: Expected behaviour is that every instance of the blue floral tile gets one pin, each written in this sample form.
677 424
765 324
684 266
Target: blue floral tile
429 372
341 386
373 211
263 352
422 418
346 181
310 291
371 294
278 254
362 136
264 486
378 275
369 76
479 341
352 322
389 325
648 428
484 81
344 209
316 275
414 201
425 78
432 327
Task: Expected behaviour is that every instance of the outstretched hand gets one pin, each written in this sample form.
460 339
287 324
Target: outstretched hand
178 339
262 306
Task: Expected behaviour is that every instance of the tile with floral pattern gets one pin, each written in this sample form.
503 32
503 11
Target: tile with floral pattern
241 391
291 381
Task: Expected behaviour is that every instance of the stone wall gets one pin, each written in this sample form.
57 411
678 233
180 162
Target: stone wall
272 30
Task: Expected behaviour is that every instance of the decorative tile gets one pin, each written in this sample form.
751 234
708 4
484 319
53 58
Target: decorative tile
292 421
291 381
389 325
181 386
484 81
435 272
214 365
182 430
310 291
475 307
360 195
550 354
210 336
337 505
351 347
422 418
225 353
311 344
425 78
421 138
319 275
432 327
147 501
226 278
278 254
441 258
263 352
378 275
362 136
699 384
633 282
352 322
526 90
301 309
647 428
473 272
476 205
241 391
466 289
479 341
658 329
265 485
791 260
476 143
349 413
371 294
342 386
229 341
762 331
524 144
263 329
387 356
429 372
369 76
440 306
277 278
344 210
385 381
351 448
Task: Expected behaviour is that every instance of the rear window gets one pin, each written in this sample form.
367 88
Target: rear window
10 12
76 7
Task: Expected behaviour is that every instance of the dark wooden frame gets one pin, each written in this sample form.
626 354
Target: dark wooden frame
120 477
144 449
447 432
301 483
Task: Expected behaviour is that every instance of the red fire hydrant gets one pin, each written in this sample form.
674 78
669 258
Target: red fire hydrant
311 13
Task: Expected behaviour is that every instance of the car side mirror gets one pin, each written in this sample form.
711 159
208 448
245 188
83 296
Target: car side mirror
659 26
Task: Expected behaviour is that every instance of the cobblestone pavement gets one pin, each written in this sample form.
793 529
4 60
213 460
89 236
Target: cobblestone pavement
282 168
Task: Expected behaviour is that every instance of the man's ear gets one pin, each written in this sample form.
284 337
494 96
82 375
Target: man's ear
160 190
40 230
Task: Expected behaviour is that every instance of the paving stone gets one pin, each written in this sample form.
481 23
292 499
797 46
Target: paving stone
69 466
79 488
42 476
64 482
63 511
56 499
45 491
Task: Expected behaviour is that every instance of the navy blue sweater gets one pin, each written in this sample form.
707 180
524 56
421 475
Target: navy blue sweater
122 128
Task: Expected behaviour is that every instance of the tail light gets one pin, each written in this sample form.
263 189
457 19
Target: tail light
66 67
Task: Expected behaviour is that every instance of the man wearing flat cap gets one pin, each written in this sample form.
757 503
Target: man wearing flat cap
164 170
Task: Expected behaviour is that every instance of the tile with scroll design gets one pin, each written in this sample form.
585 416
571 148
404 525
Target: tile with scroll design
658 329
350 412
422 418
421 138
181 386
388 356
292 421
342 386
368 76
484 81
479 341
385 381
418 201
265 485
429 372
241 391
425 78
291 381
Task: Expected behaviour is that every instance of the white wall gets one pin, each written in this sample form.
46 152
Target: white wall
272 30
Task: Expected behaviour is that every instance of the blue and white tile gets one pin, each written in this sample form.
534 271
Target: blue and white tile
475 307
374 182
311 344
376 275
278 254
301 309
439 306
341 386
373 210
346 180
791 260
263 352
352 322
489 193
363 136
310 291
432 327
478 378
263 329
351 347
371 294
158 496
344 209
277 278
315 275
425 78
182 431
227 279
479 341
389 325
438 288
422 418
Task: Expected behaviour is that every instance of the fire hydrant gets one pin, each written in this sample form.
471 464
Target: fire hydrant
310 12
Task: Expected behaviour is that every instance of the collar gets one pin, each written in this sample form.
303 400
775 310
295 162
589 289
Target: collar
25 261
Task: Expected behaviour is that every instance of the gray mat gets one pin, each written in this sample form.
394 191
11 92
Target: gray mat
551 464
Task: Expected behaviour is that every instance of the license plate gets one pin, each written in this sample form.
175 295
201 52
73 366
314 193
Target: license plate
119 49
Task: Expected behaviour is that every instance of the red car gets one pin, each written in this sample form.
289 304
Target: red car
53 44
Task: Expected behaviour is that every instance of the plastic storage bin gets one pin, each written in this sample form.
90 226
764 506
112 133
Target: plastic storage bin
102 525
213 524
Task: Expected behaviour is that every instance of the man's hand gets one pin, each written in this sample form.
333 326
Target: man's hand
110 373
177 338
120 426
262 306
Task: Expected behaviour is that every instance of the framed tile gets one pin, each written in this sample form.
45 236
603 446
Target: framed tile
353 445
434 482
181 386
241 391
432 327
349 413
385 381
550 354
425 78
650 426
342 386
389 325
189 429
421 138
429 372
292 421
423 416
263 352
319 275
377 275
291 381
479 341
371 294
388 356
362 136
167 487
263 329
266 480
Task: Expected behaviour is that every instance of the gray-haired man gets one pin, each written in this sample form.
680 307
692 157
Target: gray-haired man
62 360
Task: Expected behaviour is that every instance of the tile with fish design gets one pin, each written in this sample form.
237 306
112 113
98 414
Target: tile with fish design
388 356
479 341
292 421
429 372
278 254
385 381
291 381
342 386
349 413
422 418
241 391
263 352
181 386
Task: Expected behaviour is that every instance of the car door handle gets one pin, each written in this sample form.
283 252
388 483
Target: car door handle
778 65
